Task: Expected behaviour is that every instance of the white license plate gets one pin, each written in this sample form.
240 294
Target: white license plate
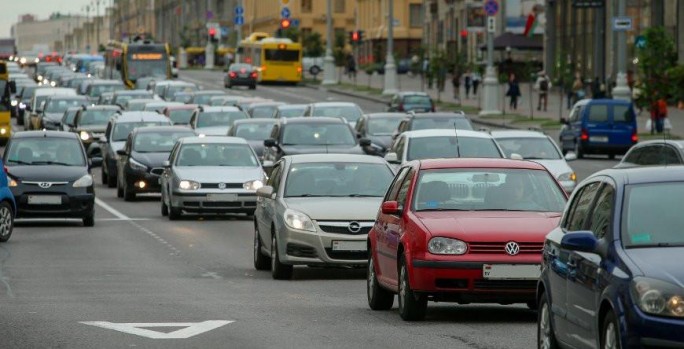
349 246
598 139
222 197
44 200
511 271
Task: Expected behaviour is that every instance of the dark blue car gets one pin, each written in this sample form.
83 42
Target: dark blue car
612 272
8 207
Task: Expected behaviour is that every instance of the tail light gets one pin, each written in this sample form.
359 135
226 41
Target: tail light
584 136
232 74
635 137
299 70
263 68
400 107
254 74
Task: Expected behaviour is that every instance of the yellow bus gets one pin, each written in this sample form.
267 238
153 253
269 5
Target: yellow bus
137 59
276 59
6 89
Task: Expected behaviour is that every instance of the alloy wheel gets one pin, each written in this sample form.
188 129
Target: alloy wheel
544 328
5 221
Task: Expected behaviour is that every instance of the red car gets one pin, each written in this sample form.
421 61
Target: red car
461 230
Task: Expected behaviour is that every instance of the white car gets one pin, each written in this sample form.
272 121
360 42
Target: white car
540 148
347 110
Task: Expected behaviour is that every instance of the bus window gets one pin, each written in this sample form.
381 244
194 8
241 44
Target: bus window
281 55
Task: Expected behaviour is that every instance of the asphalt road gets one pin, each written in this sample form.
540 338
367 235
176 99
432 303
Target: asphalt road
191 284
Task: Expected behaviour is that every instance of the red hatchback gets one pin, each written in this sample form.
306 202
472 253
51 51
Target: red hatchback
461 230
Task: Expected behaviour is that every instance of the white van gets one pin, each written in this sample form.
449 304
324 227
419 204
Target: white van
39 96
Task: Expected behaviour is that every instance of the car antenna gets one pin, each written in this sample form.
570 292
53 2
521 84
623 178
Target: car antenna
458 148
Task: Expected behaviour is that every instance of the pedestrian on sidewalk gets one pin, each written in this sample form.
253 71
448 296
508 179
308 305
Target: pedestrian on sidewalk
513 92
476 82
577 89
468 82
658 115
543 85
456 84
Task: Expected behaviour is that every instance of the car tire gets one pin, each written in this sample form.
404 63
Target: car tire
252 87
412 306
119 190
578 150
103 175
164 208
111 181
230 86
378 297
175 213
546 338
128 195
6 221
279 271
532 305
89 220
261 262
610 332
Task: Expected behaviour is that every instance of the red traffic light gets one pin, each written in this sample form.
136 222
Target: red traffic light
355 36
464 33
285 23
212 31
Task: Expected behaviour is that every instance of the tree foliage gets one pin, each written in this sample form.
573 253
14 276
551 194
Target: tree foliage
655 59
312 44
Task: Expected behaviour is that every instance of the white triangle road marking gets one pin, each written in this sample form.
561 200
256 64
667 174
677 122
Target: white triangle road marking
189 329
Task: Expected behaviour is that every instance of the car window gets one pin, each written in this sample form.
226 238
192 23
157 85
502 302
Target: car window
647 224
403 190
180 116
219 118
149 142
399 147
253 132
623 113
382 126
262 112
318 134
530 148
598 113
61 105
291 112
123 129
350 113
600 217
451 147
45 151
443 123
95 117
338 179
634 156
418 100
217 154
396 184
579 209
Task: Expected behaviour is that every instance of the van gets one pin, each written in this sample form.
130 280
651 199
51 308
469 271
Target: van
599 126
40 95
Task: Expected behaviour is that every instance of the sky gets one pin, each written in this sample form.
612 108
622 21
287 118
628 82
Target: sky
12 9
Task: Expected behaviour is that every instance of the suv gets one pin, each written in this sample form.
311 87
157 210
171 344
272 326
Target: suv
426 121
119 127
411 101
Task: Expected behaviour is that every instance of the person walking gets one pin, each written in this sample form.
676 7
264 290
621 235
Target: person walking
577 89
456 84
476 82
543 85
468 82
658 115
513 92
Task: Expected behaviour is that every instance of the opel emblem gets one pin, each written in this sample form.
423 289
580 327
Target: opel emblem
45 185
354 227
512 248
222 185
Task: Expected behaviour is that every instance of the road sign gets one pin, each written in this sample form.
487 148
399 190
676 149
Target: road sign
622 24
640 41
224 31
491 24
187 329
491 7
295 23
239 10
285 12
239 20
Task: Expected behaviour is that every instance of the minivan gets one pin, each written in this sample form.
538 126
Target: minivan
599 126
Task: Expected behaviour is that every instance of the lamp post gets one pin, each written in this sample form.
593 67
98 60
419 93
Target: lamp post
209 50
97 24
390 67
490 87
621 90
328 61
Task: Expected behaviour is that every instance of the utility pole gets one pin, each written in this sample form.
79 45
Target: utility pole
209 50
328 61
238 28
490 89
390 67
621 90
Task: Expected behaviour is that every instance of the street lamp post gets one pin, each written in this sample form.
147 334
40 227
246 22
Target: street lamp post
97 22
390 67
328 61
621 90
209 50
490 87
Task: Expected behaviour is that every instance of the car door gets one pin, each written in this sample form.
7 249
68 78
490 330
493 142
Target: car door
557 259
383 256
570 132
166 179
583 285
622 125
266 207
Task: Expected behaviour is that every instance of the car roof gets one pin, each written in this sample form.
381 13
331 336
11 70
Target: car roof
162 129
305 158
412 93
334 104
209 92
292 106
255 121
433 164
439 114
181 106
517 134
133 92
105 82
643 174
137 116
45 133
220 108
54 91
213 139
312 120
265 104
442 132
386 115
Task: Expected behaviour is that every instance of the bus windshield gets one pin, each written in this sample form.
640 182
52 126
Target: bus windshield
138 68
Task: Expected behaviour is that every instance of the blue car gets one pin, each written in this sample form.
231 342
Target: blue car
599 126
612 274
8 208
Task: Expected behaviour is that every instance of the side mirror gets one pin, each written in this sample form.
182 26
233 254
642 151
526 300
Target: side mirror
265 192
516 156
166 164
391 158
96 162
582 241
570 156
364 142
121 152
564 121
269 143
390 207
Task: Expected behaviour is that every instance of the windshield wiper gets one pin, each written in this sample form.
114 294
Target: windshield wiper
51 163
308 196
20 162
660 244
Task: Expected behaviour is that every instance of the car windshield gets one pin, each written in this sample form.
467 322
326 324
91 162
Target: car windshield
95 117
530 148
61 105
217 154
291 112
158 142
240 67
652 215
343 179
442 123
219 118
180 116
382 126
253 132
318 134
350 113
418 100
123 129
451 147
45 151
489 189
97 90
203 99
172 89
262 111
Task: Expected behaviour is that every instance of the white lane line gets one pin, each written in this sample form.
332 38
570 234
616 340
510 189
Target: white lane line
111 210
187 330
121 219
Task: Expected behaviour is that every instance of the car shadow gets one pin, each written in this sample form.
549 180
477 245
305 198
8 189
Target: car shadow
44 222
479 313
328 273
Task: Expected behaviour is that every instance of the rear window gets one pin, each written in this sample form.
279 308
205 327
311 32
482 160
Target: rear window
598 113
418 100
282 55
623 113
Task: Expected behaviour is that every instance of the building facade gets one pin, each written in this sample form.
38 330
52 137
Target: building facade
45 33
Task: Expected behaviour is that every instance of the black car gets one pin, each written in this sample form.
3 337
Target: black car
378 128
240 75
50 176
55 106
411 101
90 124
426 121
24 102
142 158
254 131
119 127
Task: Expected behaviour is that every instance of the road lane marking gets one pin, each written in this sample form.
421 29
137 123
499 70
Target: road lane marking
111 210
189 329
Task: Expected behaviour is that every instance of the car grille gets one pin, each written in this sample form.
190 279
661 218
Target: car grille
297 250
451 283
216 185
343 227
346 255
505 284
219 204
157 171
40 184
500 247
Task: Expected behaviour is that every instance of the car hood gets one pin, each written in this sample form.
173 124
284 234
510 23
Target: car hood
47 173
345 209
490 226
213 131
217 174
94 128
318 149
556 167
662 263
151 159
54 117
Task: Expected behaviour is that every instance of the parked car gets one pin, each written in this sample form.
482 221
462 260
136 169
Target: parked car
611 273
461 230
240 74
439 120
407 101
378 128
211 175
215 121
654 153
294 225
600 126
350 111
254 131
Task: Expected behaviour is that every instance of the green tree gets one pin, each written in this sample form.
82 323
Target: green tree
338 48
291 33
313 45
676 77
655 59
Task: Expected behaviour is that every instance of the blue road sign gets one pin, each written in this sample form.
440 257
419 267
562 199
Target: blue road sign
224 31
640 41
285 12
239 20
239 10
295 23
491 7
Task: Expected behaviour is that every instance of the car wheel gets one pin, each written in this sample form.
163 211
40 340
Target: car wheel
164 208
119 190
279 271
261 262
111 180
174 213
412 306
229 86
89 220
6 221
127 193
610 333
578 150
378 297
105 180
546 338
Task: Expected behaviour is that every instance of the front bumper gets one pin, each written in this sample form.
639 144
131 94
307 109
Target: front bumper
299 247
215 201
648 331
134 179
73 202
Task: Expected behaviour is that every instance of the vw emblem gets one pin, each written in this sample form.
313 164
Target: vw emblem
512 248
45 185
354 227
222 185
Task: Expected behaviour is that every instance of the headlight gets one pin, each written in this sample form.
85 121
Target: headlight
85 136
298 220
440 245
22 106
13 182
253 185
85 181
135 165
188 185
22 60
570 176
658 297
36 60
40 78
13 103
53 83
3 131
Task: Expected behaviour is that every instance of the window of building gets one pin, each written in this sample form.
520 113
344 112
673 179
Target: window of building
339 6
416 15
306 6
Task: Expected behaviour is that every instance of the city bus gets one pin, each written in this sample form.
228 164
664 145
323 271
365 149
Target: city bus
7 87
137 59
276 59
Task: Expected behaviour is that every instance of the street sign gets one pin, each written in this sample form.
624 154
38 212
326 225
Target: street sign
239 10
640 41
186 329
491 24
285 12
295 23
621 24
239 20
224 31
491 7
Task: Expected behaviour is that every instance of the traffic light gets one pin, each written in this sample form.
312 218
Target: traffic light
355 37
212 34
285 23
